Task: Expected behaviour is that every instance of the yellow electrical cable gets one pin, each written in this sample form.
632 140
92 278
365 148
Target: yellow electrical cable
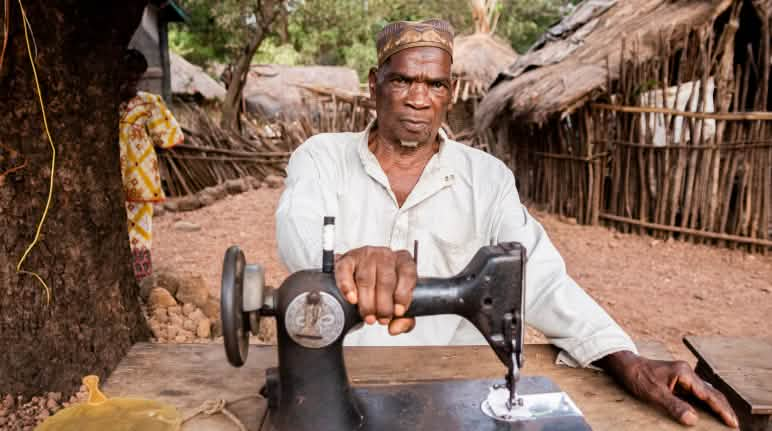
53 163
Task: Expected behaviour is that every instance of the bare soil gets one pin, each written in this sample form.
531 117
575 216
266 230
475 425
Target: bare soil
661 290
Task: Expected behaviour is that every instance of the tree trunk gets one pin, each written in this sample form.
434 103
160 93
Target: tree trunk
83 253
238 78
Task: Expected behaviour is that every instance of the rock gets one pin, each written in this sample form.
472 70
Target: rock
699 297
3 413
146 285
206 199
176 320
188 203
204 329
197 315
44 414
174 311
236 186
171 332
654 243
216 329
187 309
158 332
189 325
186 226
171 205
167 279
253 182
193 290
160 298
2 421
215 193
274 181
8 402
766 289
179 339
211 308
161 315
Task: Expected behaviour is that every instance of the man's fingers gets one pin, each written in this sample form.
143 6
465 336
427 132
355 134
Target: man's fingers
344 278
401 325
679 409
386 282
716 400
406 281
364 276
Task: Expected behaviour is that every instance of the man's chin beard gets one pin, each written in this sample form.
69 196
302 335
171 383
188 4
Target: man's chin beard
409 144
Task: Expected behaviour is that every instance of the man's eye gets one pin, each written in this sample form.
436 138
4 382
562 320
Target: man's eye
400 80
438 85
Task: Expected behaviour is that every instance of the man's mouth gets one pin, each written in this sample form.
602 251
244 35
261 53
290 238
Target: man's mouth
415 126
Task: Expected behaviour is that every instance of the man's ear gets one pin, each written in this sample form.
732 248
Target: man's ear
372 81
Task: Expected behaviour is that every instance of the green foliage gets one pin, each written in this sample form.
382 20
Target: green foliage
342 32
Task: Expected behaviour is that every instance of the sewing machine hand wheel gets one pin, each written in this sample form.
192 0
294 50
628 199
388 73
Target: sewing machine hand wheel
242 298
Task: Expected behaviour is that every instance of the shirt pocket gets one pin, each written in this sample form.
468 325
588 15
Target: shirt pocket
444 256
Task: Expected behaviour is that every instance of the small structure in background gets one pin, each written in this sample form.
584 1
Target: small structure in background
278 92
151 39
477 60
651 115
190 82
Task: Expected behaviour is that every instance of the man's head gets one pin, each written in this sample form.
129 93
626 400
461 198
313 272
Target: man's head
134 66
411 86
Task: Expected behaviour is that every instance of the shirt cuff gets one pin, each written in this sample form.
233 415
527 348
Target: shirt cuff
594 348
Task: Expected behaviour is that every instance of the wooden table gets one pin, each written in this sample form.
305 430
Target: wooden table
741 368
186 375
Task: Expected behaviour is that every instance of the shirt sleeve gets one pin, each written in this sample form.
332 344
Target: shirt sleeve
309 195
555 304
162 126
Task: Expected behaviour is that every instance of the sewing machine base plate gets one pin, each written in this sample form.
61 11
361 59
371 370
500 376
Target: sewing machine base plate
451 405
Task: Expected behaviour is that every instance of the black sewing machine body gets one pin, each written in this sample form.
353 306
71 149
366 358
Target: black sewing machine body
310 390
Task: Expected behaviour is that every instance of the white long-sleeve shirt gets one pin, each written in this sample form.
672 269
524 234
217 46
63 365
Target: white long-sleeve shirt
465 199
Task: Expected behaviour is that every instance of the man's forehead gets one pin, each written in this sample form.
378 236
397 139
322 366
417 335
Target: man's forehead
429 61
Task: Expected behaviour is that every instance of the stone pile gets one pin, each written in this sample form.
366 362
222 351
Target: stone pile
180 308
212 194
21 414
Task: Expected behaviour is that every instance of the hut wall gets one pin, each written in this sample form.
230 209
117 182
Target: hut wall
698 164
681 146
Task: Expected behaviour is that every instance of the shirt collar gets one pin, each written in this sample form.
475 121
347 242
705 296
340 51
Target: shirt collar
442 161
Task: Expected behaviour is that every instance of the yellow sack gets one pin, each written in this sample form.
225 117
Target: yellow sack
100 413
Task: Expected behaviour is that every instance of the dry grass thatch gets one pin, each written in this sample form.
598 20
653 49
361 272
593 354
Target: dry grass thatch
477 60
569 67
273 90
189 79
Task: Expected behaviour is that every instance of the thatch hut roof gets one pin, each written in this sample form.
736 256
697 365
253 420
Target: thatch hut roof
477 60
189 79
570 65
277 90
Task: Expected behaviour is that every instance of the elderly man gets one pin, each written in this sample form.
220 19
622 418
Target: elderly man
402 180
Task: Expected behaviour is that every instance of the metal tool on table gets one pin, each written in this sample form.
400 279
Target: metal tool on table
310 389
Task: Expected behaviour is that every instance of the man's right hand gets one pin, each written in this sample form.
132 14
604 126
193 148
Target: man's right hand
381 282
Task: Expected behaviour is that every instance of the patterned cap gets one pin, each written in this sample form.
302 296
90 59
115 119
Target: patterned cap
409 34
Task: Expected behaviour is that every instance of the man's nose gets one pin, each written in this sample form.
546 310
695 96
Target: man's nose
418 96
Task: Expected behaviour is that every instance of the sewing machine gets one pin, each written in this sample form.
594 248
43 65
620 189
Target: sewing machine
310 390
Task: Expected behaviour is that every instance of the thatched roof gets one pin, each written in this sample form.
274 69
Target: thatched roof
276 90
568 67
189 79
477 60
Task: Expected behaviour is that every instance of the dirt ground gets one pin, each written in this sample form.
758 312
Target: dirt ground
654 289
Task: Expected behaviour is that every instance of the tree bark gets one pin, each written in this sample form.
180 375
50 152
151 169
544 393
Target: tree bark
83 254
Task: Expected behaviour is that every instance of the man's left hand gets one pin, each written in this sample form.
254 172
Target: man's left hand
656 381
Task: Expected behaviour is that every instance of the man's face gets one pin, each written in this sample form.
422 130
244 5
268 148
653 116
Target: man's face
412 93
